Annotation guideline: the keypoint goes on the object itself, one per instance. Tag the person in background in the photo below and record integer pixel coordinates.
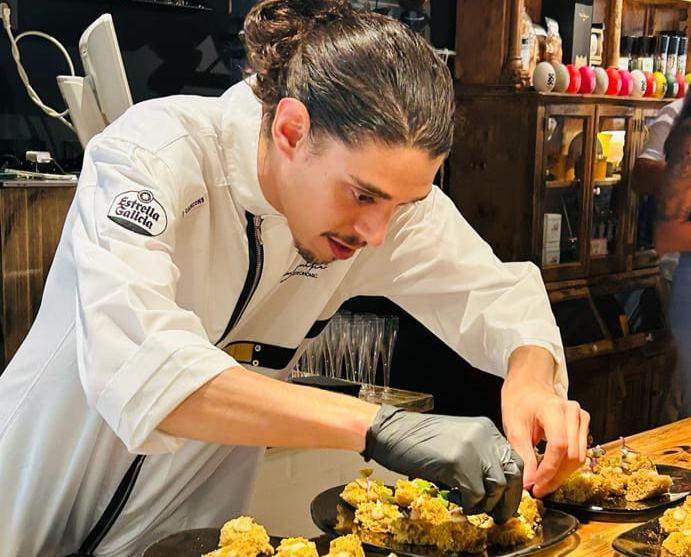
(207, 239)
(673, 234)
(647, 179)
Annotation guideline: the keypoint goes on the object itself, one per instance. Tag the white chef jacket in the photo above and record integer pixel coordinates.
(153, 262)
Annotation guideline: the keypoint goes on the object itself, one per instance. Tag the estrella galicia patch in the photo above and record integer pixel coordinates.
(139, 212)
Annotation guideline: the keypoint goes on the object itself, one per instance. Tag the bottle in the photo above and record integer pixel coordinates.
(646, 60)
(635, 54)
(660, 45)
(625, 47)
(681, 55)
(672, 54)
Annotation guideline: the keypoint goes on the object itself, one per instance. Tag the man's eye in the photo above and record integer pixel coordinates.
(363, 198)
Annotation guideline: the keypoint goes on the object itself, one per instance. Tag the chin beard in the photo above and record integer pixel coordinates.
(310, 257)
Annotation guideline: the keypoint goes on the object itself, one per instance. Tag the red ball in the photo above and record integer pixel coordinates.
(588, 80)
(683, 85)
(649, 84)
(614, 81)
(575, 79)
(626, 83)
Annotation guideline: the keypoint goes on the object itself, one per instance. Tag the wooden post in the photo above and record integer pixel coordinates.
(613, 31)
(513, 66)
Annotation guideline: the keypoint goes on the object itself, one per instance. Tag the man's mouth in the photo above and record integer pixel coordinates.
(340, 251)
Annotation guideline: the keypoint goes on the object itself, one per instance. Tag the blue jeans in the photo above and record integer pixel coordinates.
(680, 323)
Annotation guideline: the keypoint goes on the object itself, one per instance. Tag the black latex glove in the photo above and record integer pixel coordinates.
(464, 453)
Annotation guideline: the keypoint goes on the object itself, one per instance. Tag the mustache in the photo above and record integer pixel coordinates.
(352, 242)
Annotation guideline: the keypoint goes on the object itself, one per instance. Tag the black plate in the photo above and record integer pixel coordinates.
(556, 526)
(622, 510)
(641, 541)
(190, 543)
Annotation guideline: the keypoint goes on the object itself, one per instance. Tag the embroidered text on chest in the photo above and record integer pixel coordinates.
(309, 270)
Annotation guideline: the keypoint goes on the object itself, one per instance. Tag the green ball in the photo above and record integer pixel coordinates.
(672, 86)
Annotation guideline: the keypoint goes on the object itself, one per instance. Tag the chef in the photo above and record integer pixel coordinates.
(208, 241)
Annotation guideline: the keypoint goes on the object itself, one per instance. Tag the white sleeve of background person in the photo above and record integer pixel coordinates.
(436, 267)
(654, 147)
(139, 353)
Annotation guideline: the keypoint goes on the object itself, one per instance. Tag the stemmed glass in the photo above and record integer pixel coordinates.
(375, 326)
(334, 345)
(388, 342)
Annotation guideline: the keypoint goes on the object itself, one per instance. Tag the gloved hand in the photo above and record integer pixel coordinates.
(465, 453)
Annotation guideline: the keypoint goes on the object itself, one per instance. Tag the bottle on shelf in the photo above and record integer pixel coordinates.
(672, 50)
(625, 48)
(660, 46)
(681, 55)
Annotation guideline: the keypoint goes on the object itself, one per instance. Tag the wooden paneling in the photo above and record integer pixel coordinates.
(31, 220)
(482, 40)
(491, 182)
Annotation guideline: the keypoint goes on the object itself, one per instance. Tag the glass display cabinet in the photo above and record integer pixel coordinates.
(545, 177)
(644, 208)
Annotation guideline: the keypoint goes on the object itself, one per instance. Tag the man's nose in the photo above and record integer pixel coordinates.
(371, 226)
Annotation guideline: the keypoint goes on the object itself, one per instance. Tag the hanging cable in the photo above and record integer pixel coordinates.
(5, 14)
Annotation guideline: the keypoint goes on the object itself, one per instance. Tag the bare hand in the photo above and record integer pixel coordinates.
(531, 412)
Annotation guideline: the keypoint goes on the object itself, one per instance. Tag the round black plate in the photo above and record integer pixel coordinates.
(627, 511)
(641, 541)
(190, 543)
(556, 526)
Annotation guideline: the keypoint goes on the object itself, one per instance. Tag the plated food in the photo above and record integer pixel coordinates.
(676, 526)
(417, 512)
(624, 474)
(243, 537)
(666, 536)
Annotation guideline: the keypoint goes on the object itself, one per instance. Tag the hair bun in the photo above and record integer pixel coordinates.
(273, 31)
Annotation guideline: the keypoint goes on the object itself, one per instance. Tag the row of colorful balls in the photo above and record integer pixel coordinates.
(560, 78)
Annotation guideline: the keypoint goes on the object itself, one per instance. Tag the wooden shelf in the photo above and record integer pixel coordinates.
(560, 184)
(611, 181)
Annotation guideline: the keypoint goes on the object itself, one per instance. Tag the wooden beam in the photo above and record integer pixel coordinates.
(613, 32)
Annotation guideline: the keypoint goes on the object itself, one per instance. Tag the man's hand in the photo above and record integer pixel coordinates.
(465, 453)
(533, 411)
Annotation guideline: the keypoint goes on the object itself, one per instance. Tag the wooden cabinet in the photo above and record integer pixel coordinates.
(523, 159)
(546, 178)
(32, 216)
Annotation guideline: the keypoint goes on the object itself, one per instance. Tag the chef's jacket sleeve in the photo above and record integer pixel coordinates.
(139, 353)
(436, 267)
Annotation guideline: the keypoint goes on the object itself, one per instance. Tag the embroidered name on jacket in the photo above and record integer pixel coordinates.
(309, 270)
(139, 212)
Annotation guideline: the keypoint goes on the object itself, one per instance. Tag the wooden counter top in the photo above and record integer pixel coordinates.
(669, 444)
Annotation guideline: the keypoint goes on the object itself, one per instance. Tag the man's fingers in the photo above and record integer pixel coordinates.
(557, 447)
(503, 474)
(583, 430)
(511, 495)
(566, 447)
(521, 439)
(574, 417)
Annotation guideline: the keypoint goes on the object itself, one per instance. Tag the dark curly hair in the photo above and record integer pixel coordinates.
(361, 75)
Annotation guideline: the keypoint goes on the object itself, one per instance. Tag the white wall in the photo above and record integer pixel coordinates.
(289, 479)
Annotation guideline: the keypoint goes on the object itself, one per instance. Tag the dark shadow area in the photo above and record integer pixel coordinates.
(423, 363)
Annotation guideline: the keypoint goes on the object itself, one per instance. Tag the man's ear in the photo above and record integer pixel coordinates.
(291, 126)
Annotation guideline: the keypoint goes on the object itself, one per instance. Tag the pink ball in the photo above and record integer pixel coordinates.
(588, 80)
(614, 85)
(626, 83)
